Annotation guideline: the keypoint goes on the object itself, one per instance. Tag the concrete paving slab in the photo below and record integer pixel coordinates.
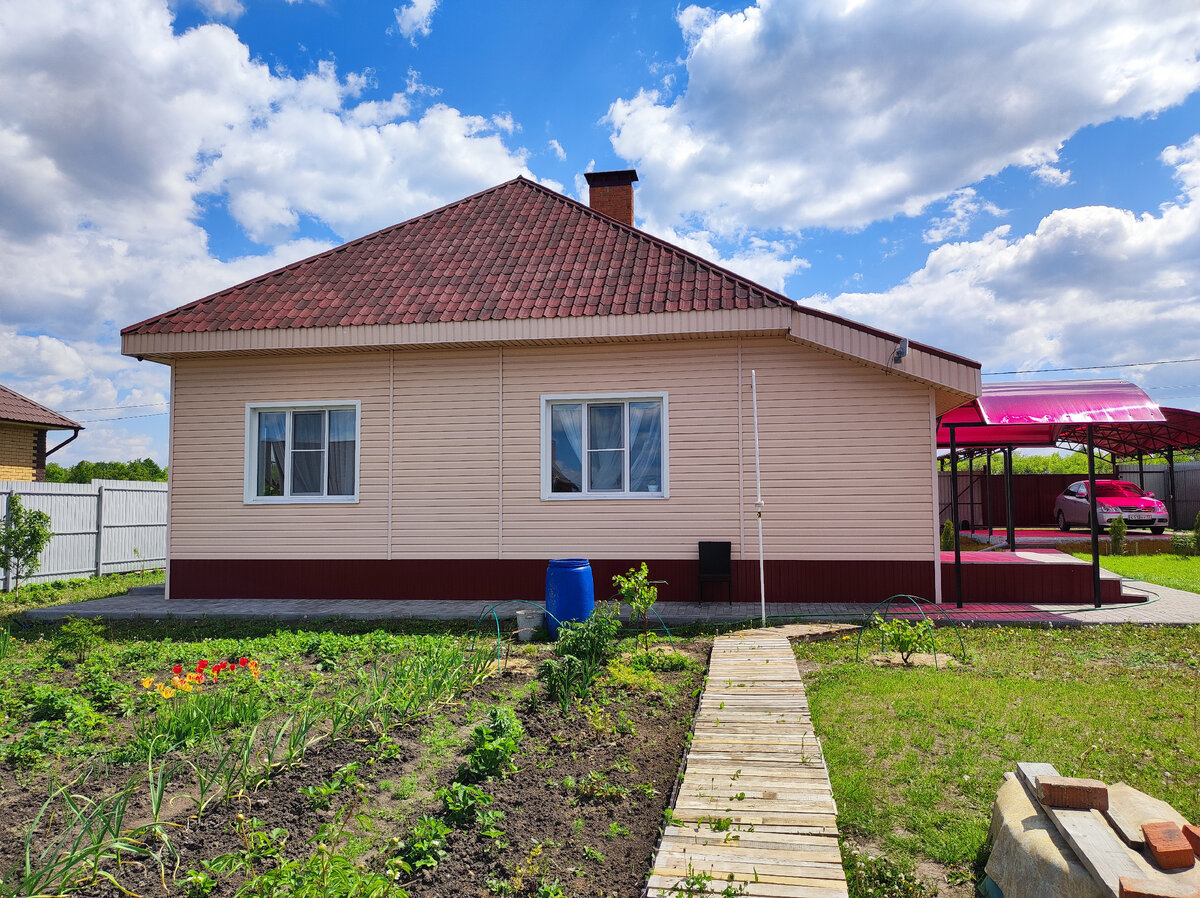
(1166, 606)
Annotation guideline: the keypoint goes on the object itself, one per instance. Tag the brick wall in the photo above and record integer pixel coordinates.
(21, 450)
(615, 202)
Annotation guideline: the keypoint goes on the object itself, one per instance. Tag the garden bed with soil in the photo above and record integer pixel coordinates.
(370, 764)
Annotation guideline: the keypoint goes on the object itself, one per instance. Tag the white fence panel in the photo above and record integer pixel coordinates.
(103, 527)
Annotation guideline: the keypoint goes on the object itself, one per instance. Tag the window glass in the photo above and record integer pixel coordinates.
(272, 432)
(606, 447)
(308, 456)
(341, 452)
(566, 448)
(645, 447)
(303, 452)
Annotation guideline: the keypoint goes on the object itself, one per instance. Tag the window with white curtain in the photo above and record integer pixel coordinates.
(597, 447)
(302, 452)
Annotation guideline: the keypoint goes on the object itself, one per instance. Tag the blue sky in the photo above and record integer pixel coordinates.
(1016, 185)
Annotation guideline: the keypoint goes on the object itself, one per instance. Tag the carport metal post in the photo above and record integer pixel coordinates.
(1091, 452)
(1171, 487)
(987, 494)
(1141, 470)
(1008, 503)
(954, 514)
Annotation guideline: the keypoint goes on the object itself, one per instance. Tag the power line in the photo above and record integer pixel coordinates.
(109, 408)
(124, 418)
(1090, 367)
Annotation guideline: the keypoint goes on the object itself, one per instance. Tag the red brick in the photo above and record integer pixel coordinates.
(1191, 832)
(1150, 888)
(1072, 792)
(1167, 844)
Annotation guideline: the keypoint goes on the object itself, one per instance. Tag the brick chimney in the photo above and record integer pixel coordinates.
(611, 193)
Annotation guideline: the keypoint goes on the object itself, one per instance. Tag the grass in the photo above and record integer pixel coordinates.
(79, 589)
(916, 755)
(1175, 571)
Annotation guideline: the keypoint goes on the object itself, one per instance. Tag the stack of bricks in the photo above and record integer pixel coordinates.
(1170, 847)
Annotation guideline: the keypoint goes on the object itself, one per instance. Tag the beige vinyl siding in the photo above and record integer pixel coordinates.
(209, 518)
(846, 451)
(841, 444)
(446, 475)
(957, 379)
(700, 380)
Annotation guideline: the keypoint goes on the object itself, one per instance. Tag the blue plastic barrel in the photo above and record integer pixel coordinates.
(570, 594)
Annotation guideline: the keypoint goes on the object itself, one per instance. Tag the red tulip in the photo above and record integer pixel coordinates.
(177, 669)
(201, 664)
(242, 662)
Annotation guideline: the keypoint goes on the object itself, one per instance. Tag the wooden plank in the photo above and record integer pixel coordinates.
(756, 763)
(1088, 834)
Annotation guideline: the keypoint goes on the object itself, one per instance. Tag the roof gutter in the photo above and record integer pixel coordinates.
(69, 439)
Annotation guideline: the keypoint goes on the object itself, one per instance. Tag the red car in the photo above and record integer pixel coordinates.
(1113, 498)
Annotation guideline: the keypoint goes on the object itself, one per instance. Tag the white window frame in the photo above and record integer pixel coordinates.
(548, 399)
(250, 481)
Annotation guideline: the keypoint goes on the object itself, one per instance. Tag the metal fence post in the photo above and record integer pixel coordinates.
(99, 531)
(7, 519)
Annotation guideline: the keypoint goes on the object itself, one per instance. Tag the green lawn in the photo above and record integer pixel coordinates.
(79, 589)
(916, 755)
(1177, 572)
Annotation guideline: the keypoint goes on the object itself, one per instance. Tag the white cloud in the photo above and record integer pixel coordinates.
(766, 262)
(223, 9)
(799, 113)
(1055, 177)
(1091, 285)
(557, 149)
(962, 207)
(117, 134)
(416, 18)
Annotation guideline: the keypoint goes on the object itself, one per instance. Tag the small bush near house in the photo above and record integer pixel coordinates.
(1116, 535)
(947, 536)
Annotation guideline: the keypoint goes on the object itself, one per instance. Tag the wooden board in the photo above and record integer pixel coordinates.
(1088, 834)
(756, 772)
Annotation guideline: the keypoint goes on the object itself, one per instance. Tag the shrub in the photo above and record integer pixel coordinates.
(636, 588)
(493, 745)
(22, 538)
(1116, 535)
(1196, 534)
(948, 536)
(463, 804)
(906, 637)
(592, 640)
(75, 639)
(1182, 544)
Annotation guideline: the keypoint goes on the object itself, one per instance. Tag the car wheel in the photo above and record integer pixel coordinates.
(1062, 522)
(1158, 531)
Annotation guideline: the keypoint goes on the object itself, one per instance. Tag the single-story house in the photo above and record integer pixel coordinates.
(23, 427)
(436, 409)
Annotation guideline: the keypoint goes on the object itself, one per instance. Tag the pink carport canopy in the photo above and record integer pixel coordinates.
(1037, 413)
(1180, 429)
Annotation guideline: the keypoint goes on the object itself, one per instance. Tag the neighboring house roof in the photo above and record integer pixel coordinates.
(18, 408)
(518, 263)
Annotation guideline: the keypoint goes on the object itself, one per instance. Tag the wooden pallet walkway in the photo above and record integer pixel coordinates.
(755, 808)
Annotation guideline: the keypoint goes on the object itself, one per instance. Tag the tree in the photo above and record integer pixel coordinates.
(639, 591)
(87, 471)
(24, 536)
